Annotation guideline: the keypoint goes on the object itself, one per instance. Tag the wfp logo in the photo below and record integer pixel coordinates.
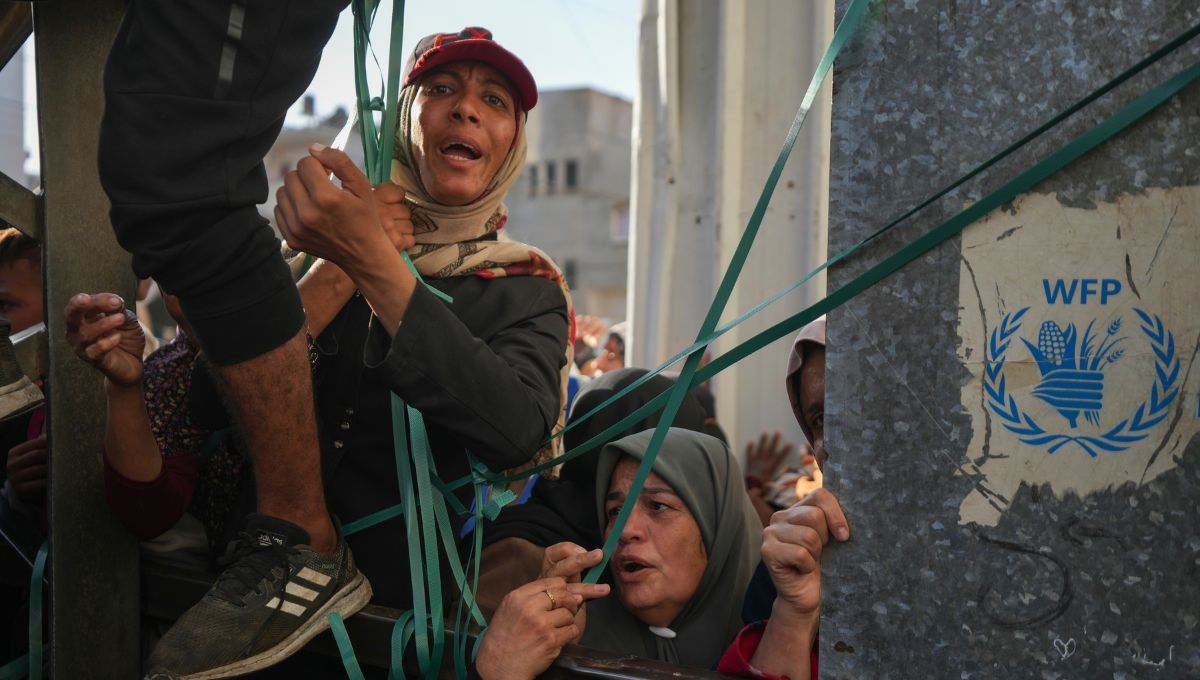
(1072, 367)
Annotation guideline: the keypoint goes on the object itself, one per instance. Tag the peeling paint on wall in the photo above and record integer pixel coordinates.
(1080, 329)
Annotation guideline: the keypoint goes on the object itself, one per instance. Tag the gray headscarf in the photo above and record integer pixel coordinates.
(706, 477)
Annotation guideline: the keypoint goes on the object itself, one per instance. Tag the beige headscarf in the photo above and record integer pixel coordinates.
(448, 237)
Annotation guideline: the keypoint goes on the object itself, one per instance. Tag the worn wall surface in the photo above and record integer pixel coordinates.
(1013, 417)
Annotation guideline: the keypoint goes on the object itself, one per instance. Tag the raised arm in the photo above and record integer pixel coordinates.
(792, 547)
(147, 495)
(107, 335)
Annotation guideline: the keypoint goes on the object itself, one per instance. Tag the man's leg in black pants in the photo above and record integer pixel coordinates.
(196, 93)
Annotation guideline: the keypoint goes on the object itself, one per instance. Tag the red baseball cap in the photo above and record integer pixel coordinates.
(471, 44)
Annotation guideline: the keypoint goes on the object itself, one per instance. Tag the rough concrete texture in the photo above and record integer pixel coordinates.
(1061, 584)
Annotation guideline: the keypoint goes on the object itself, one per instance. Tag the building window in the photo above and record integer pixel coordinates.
(571, 172)
(551, 177)
(533, 179)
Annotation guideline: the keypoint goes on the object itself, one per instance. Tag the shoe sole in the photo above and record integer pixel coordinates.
(352, 597)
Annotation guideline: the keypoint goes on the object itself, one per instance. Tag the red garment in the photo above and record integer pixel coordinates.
(149, 508)
(736, 660)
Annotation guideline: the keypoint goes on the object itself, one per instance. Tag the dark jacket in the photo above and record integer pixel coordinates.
(483, 372)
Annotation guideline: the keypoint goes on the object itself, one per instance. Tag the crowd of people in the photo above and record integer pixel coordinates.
(244, 443)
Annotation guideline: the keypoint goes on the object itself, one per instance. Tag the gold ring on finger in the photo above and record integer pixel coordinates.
(553, 602)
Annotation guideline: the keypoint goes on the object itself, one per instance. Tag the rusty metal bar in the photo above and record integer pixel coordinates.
(168, 592)
(94, 631)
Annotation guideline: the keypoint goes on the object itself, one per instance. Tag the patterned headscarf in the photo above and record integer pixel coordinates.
(449, 238)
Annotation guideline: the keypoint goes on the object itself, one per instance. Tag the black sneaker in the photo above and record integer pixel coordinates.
(273, 597)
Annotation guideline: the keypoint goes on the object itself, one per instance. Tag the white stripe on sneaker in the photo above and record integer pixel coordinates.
(298, 590)
(314, 577)
(292, 608)
(289, 607)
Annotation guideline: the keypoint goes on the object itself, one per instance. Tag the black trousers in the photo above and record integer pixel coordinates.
(195, 94)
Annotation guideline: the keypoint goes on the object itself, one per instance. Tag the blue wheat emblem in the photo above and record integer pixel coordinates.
(1072, 370)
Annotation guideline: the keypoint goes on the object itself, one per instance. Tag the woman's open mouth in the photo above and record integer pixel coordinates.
(632, 569)
(461, 151)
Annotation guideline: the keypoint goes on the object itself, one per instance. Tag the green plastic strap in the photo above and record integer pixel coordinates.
(35, 612)
(364, 17)
(419, 446)
(349, 661)
(372, 519)
(413, 530)
(493, 507)
(377, 142)
(448, 543)
(455, 504)
(460, 636)
(847, 27)
(402, 634)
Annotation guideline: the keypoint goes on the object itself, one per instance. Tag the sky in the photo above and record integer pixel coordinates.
(565, 43)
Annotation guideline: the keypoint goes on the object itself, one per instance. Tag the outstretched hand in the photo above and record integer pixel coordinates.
(531, 626)
(792, 546)
(106, 335)
(568, 561)
(766, 456)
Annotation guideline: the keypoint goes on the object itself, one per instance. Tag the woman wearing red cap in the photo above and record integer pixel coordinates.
(487, 371)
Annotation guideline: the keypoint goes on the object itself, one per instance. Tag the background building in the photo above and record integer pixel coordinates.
(293, 144)
(572, 200)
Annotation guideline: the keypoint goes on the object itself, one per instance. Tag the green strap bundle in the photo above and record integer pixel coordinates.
(429, 533)
(426, 512)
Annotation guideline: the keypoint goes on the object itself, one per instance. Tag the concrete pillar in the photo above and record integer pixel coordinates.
(1013, 418)
(719, 86)
(93, 559)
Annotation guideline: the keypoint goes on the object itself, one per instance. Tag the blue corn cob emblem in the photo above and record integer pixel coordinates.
(1073, 369)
